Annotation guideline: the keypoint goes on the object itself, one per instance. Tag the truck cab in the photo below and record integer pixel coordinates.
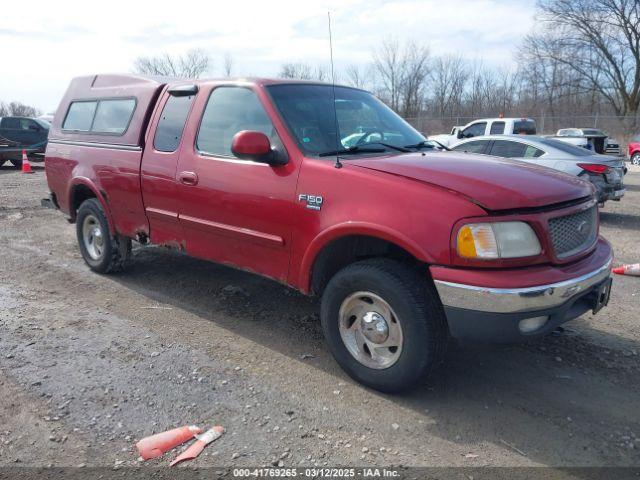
(330, 192)
(488, 126)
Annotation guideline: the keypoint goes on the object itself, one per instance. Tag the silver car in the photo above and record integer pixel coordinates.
(605, 172)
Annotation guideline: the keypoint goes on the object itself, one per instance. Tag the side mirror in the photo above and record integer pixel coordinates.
(460, 134)
(255, 146)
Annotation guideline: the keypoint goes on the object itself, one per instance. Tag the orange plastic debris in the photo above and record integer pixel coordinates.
(155, 445)
(201, 441)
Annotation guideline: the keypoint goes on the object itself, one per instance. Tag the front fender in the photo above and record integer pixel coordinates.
(355, 228)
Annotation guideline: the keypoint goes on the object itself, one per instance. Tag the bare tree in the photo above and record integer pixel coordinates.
(449, 76)
(303, 71)
(402, 71)
(193, 64)
(228, 64)
(356, 76)
(18, 109)
(389, 64)
(599, 42)
(413, 78)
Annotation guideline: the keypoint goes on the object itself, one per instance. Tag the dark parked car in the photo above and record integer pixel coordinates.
(22, 133)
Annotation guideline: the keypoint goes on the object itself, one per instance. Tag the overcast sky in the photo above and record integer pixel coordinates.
(46, 43)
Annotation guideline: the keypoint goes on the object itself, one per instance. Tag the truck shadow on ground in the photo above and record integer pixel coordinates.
(583, 395)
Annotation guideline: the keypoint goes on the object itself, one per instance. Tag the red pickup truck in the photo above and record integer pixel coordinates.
(335, 196)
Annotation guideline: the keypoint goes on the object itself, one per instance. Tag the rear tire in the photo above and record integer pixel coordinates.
(102, 250)
(635, 159)
(353, 304)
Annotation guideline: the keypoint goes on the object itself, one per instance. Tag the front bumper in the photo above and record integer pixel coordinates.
(495, 314)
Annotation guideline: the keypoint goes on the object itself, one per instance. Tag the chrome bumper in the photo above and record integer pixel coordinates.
(514, 300)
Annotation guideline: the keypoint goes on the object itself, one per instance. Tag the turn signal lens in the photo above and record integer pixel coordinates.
(477, 241)
(487, 241)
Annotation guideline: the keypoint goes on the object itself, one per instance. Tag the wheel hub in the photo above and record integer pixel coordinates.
(370, 330)
(93, 237)
(374, 327)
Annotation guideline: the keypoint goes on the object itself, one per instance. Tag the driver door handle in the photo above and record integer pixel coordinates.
(188, 178)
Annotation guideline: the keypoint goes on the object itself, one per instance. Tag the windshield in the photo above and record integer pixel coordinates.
(362, 120)
(566, 147)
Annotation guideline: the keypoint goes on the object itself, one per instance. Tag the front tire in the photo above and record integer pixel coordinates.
(384, 324)
(635, 159)
(102, 250)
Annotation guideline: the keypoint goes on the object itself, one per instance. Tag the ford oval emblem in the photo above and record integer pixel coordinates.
(582, 227)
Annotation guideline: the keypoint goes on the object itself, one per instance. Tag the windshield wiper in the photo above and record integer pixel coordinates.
(351, 150)
(427, 144)
(388, 145)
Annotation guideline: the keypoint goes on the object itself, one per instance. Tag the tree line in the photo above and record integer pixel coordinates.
(17, 109)
(582, 59)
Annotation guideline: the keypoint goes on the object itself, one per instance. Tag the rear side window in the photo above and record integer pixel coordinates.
(503, 148)
(497, 128)
(80, 116)
(110, 116)
(11, 123)
(171, 124)
(532, 152)
(477, 146)
(524, 127)
(230, 110)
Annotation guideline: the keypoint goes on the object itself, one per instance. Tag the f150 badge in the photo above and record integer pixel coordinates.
(314, 202)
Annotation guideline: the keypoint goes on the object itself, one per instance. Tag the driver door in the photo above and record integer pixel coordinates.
(235, 211)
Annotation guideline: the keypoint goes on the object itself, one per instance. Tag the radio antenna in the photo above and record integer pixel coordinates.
(338, 164)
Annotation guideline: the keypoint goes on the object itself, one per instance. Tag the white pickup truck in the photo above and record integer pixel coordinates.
(487, 126)
(592, 139)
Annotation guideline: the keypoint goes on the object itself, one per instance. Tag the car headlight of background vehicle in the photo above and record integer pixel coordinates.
(497, 240)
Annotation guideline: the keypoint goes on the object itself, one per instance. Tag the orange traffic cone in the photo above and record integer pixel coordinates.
(26, 166)
(201, 441)
(155, 445)
(632, 269)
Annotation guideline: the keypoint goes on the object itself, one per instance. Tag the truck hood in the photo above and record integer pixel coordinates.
(491, 182)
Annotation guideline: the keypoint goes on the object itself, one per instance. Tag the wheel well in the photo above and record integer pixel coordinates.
(350, 249)
(79, 195)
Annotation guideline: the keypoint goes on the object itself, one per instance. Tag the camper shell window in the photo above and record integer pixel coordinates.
(100, 116)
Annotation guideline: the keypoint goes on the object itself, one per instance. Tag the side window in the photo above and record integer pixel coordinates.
(11, 123)
(28, 124)
(100, 116)
(497, 128)
(171, 124)
(229, 111)
(112, 116)
(477, 146)
(475, 130)
(80, 116)
(532, 152)
(504, 148)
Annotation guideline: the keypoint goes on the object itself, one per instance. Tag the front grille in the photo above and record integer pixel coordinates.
(574, 233)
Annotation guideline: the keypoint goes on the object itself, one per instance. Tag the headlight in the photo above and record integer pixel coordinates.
(497, 240)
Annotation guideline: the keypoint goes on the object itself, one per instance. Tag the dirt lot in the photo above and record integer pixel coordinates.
(90, 363)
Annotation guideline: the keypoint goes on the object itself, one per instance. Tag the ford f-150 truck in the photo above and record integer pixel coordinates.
(406, 245)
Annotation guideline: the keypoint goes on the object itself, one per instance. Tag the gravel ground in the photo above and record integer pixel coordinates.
(89, 364)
